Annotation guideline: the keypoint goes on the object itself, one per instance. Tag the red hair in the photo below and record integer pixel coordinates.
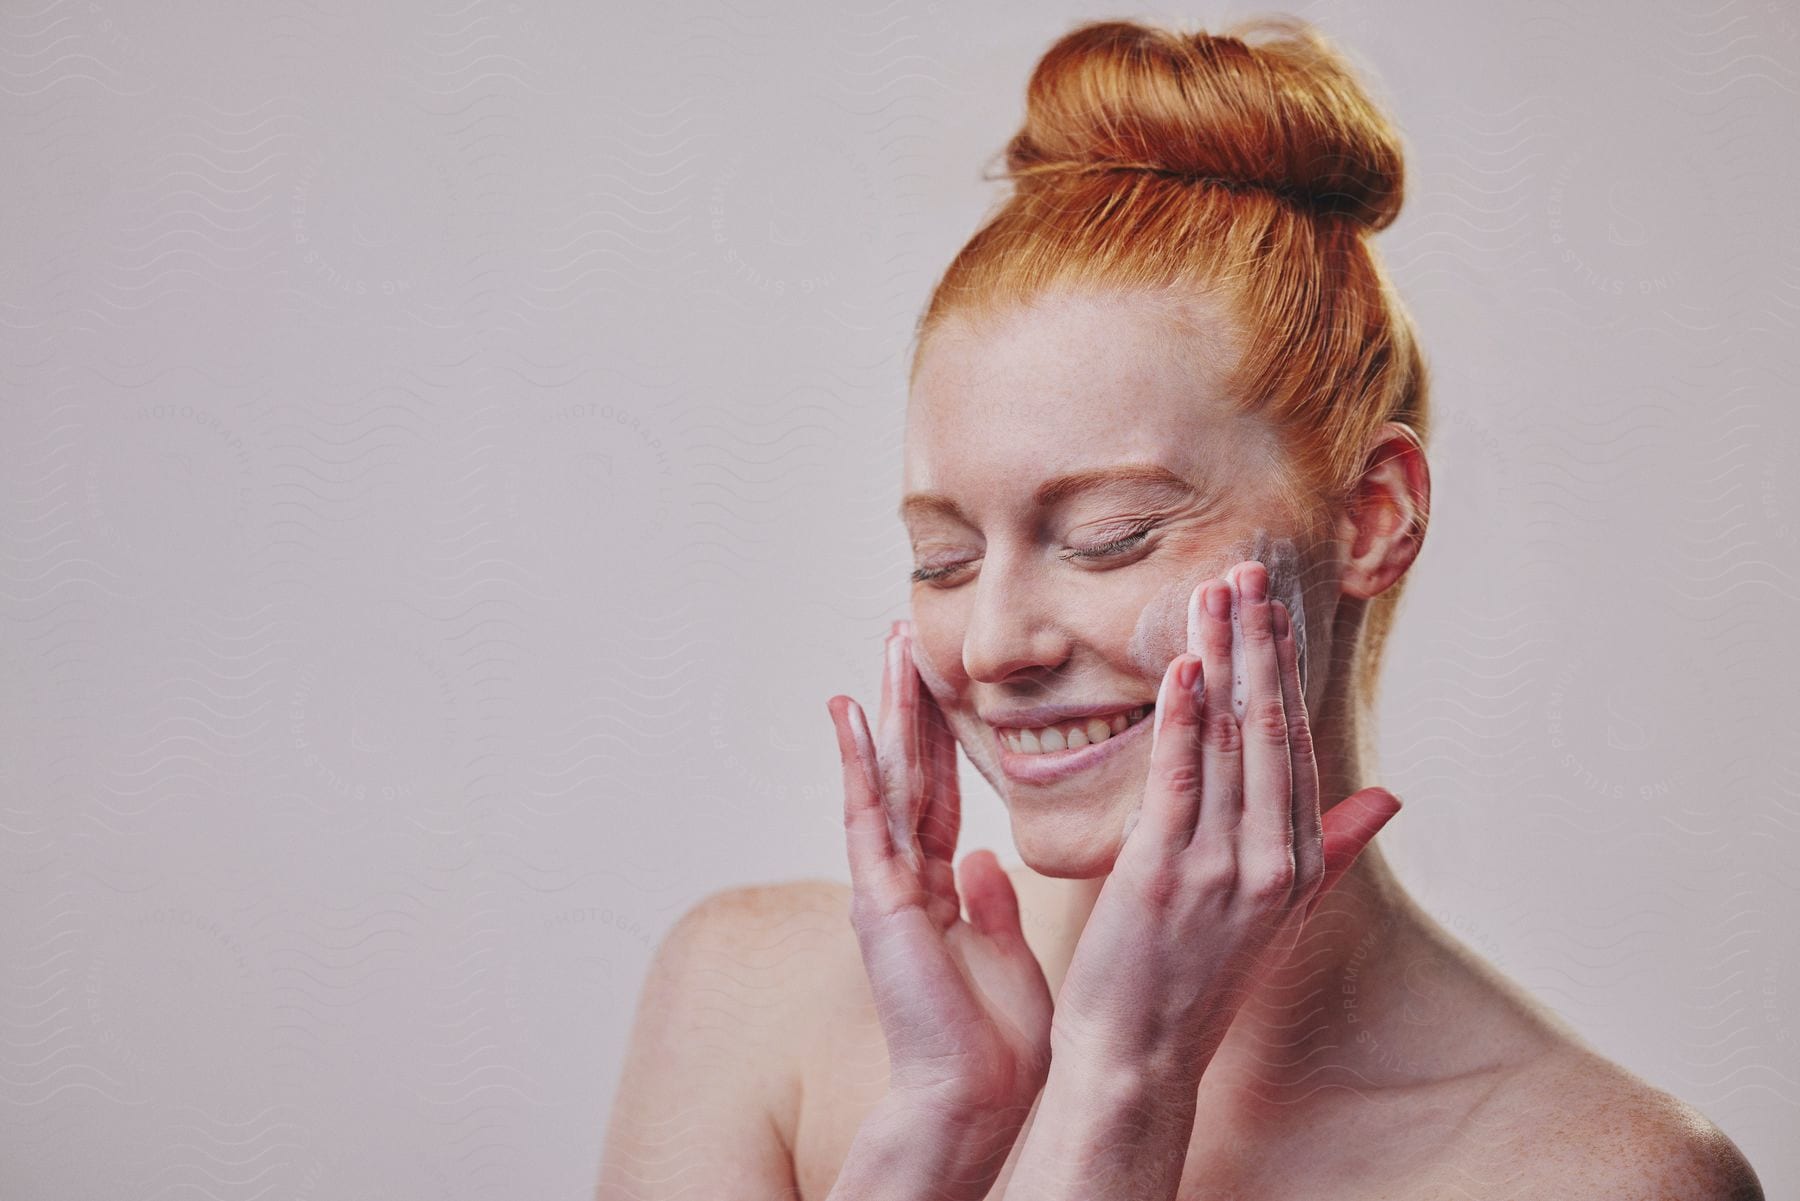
(1247, 167)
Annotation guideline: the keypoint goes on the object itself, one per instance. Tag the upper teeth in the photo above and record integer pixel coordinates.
(1071, 734)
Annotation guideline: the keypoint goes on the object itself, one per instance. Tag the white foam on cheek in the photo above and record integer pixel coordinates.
(928, 672)
(978, 748)
(1162, 631)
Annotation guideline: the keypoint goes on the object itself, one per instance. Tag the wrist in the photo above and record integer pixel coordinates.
(1146, 1065)
(920, 1147)
(1109, 1125)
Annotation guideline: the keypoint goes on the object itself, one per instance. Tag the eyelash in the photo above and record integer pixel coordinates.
(1107, 550)
(924, 575)
(1115, 547)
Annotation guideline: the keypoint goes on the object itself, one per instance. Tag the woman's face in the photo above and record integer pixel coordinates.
(1072, 471)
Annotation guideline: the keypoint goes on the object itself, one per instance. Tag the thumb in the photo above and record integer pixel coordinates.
(1349, 827)
(988, 892)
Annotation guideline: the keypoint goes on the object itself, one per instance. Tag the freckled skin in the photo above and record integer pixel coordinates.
(1069, 384)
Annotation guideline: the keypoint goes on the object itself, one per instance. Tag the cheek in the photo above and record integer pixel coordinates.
(1161, 631)
(935, 680)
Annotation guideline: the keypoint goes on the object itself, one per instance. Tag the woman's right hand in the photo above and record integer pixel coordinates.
(963, 1004)
(1226, 857)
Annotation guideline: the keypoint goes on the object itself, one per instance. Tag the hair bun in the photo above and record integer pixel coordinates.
(1271, 105)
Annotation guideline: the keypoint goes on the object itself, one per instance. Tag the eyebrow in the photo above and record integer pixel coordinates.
(1051, 491)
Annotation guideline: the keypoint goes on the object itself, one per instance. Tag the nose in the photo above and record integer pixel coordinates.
(1012, 626)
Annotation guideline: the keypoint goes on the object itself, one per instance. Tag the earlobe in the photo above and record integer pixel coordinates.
(1383, 526)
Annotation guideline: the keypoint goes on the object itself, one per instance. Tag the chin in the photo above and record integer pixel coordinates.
(1068, 845)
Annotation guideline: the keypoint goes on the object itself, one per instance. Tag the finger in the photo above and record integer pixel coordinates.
(932, 816)
(898, 744)
(1349, 827)
(1166, 816)
(993, 903)
(1309, 851)
(885, 703)
(1221, 741)
(941, 822)
(1266, 837)
(865, 823)
(994, 914)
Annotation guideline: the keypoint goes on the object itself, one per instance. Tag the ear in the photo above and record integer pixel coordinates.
(1383, 523)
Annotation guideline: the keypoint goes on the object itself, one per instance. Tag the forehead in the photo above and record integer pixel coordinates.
(1069, 382)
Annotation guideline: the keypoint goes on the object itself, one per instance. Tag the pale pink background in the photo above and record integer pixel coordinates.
(447, 459)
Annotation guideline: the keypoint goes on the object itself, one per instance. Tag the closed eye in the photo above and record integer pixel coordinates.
(1117, 546)
(1106, 550)
(922, 575)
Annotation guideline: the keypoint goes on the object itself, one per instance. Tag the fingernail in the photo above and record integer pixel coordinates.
(1279, 612)
(1218, 601)
(1162, 706)
(1188, 674)
(1253, 584)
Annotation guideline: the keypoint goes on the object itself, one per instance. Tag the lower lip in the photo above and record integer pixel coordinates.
(1047, 767)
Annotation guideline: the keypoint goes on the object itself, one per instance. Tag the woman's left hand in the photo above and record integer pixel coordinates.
(1225, 858)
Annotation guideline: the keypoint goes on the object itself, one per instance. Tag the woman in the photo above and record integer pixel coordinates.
(1164, 478)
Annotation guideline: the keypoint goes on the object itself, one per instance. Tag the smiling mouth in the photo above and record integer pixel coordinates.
(1071, 735)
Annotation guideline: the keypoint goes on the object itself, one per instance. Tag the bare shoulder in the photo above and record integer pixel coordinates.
(718, 1043)
(764, 946)
(1584, 1127)
(775, 953)
(748, 909)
